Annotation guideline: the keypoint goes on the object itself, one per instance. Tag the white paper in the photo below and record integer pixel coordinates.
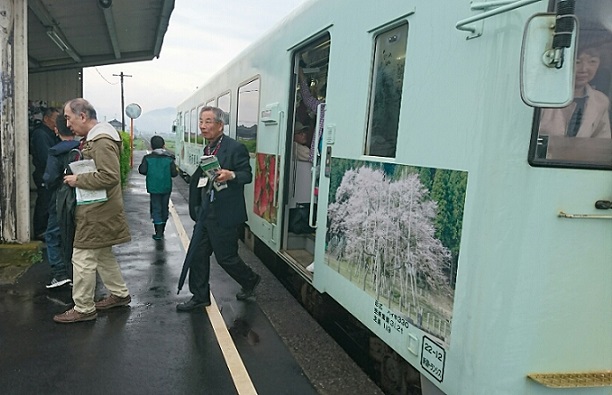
(87, 196)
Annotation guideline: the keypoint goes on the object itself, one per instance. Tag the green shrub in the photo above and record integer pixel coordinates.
(126, 154)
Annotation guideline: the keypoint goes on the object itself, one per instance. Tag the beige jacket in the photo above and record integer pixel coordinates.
(595, 121)
(102, 224)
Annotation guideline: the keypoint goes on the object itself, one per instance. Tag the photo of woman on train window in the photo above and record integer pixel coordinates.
(580, 133)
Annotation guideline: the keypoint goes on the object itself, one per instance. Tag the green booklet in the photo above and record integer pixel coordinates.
(209, 165)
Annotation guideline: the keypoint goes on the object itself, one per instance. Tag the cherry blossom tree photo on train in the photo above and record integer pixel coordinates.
(265, 188)
(383, 227)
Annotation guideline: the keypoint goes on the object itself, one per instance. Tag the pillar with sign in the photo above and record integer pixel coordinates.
(133, 111)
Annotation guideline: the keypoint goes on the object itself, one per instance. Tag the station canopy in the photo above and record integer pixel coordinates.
(67, 34)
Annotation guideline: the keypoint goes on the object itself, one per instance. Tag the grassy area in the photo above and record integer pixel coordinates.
(139, 144)
(15, 259)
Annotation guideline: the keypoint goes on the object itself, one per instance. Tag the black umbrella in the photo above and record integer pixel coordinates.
(196, 247)
(183, 275)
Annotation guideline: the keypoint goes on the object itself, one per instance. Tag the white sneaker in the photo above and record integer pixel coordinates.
(310, 267)
(58, 283)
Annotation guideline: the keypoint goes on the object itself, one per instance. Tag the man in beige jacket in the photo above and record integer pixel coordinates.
(99, 225)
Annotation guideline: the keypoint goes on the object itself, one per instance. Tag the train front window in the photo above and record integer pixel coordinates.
(386, 92)
(579, 135)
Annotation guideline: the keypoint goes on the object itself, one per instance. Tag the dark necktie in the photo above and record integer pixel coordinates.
(574, 124)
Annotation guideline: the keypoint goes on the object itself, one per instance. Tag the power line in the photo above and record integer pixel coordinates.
(104, 78)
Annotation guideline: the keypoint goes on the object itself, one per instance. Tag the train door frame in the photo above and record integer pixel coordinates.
(299, 190)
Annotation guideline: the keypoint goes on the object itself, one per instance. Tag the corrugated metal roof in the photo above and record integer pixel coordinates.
(65, 34)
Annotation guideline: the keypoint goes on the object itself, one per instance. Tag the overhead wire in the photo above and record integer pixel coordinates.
(104, 78)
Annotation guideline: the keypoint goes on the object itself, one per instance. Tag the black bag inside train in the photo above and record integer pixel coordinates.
(298, 219)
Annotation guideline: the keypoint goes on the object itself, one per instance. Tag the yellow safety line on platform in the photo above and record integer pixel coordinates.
(242, 380)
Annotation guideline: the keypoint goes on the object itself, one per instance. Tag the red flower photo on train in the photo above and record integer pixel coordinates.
(265, 188)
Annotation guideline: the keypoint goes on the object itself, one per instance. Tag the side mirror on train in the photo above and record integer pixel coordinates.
(547, 67)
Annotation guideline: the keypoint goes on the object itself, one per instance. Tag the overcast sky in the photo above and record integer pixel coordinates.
(200, 40)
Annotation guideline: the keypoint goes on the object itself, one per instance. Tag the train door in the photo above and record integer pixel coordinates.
(303, 163)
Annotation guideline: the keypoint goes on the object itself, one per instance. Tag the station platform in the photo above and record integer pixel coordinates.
(266, 345)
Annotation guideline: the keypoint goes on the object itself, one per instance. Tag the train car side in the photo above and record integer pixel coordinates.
(424, 208)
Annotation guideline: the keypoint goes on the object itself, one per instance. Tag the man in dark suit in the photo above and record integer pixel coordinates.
(218, 212)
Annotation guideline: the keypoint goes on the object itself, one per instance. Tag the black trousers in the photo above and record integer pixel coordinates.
(208, 237)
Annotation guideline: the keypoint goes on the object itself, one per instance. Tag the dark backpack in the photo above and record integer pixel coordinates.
(298, 219)
(66, 204)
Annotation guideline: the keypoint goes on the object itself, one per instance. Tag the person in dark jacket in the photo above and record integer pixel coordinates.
(42, 138)
(159, 167)
(57, 161)
(218, 211)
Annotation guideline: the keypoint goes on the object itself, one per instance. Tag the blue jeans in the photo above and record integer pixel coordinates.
(159, 207)
(55, 253)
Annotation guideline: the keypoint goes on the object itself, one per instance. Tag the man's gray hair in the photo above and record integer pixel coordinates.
(80, 105)
(219, 113)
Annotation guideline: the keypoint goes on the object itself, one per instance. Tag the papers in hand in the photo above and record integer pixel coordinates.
(87, 196)
(209, 165)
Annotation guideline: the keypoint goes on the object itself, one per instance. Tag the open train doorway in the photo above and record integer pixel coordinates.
(303, 162)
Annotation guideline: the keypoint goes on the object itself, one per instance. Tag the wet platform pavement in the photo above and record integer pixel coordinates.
(149, 347)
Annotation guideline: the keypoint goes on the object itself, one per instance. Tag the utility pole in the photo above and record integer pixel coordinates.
(122, 102)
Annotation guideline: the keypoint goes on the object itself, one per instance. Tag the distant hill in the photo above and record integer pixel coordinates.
(155, 121)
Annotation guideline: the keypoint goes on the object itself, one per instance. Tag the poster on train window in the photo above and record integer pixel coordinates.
(266, 187)
(394, 231)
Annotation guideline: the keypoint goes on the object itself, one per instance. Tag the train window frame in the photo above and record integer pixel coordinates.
(554, 149)
(212, 102)
(395, 32)
(193, 125)
(199, 139)
(177, 124)
(251, 148)
(186, 126)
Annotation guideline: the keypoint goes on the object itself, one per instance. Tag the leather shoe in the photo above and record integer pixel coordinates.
(191, 305)
(246, 293)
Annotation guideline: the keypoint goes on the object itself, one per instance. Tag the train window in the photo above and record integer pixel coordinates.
(223, 102)
(178, 124)
(186, 127)
(193, 126)
(579, 135)
(210, 103)
(386, 91)
(248, 112)
(199, 138)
